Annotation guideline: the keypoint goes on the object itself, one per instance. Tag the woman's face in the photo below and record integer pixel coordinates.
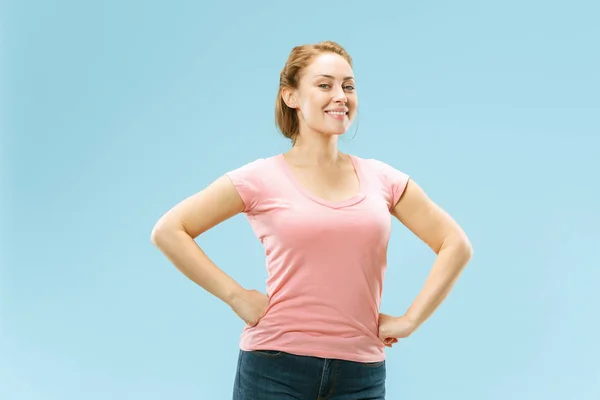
(325, 99)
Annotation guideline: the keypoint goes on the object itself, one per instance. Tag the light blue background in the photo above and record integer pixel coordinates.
(114, 111)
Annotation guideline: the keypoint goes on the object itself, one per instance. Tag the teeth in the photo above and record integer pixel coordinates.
(336, 112)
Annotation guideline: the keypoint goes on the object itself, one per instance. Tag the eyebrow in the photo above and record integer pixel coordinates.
(333, 77)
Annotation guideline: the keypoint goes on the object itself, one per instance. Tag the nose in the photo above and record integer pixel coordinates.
(340, 95)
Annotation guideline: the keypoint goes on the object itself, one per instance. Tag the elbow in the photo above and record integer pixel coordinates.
(468, 251)
(159, 232)
(460, 245)
(156, 235)
(466, 248)
(164, 230)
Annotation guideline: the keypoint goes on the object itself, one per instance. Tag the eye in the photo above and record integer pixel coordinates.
(349, 88)
(323, 85)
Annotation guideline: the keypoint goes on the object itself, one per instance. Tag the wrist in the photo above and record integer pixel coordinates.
(413, 319)
(232, 294)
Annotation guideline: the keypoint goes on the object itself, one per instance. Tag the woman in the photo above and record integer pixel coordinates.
(323, 218)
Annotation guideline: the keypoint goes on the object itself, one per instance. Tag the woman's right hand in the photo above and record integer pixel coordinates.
(250, 305)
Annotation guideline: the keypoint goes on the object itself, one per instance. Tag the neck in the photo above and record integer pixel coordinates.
(315, 149)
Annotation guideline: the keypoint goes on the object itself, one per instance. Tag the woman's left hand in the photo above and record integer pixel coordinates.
(393, 328)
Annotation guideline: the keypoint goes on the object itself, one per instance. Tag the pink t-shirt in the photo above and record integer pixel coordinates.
(326, 260)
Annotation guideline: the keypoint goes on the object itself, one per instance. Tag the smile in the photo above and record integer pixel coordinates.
(337, 114)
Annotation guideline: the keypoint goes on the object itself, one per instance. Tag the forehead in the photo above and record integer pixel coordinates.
(329, 64)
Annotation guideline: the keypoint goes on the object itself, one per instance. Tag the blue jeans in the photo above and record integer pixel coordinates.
(275, 375)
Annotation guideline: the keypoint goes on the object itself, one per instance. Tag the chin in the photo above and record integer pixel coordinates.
(336, 130)
(333, 132)
(329, 129)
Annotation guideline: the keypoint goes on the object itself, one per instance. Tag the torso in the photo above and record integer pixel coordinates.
(325, 233)
(331, 183)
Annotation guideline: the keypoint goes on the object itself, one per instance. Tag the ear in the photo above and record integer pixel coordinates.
(287, 94)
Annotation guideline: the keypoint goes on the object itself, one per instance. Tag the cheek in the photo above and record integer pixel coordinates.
(353, 101)
(312, 108)
(353, 104)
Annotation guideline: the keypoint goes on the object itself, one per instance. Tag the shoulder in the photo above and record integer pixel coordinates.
(256, 169)
(392, 180)
(257, 164)
(251, 180)
(380, 168)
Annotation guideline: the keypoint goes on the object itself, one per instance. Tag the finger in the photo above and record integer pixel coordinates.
(390, 340)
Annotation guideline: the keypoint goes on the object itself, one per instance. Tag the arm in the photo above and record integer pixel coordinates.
(174, 235)
(443, 235)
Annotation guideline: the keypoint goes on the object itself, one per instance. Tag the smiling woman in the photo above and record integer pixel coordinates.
(324, 218)
(310, 77)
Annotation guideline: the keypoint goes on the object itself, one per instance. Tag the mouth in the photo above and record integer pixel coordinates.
(337, 114)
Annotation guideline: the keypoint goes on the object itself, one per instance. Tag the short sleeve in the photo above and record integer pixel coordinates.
(247, 180)
(395, 181)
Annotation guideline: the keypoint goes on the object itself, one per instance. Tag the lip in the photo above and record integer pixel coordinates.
(338, 110)
(339, 117)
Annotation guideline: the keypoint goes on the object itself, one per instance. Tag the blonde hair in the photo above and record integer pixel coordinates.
(300, 57)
